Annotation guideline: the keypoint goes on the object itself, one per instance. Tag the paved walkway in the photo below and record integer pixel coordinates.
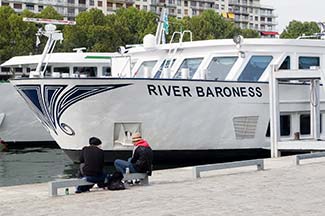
(281, 189)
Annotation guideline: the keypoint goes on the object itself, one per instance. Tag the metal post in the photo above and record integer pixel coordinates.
(314, 109)
(274, 112)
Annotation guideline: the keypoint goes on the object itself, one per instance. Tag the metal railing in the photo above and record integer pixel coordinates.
(210, 167)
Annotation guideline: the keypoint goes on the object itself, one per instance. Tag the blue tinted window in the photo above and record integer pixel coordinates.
(255, 68)
(285, 64)
(192, 64)
(307, 62)
(165, 64)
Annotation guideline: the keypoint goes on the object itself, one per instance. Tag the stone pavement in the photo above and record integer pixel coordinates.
(281, 189)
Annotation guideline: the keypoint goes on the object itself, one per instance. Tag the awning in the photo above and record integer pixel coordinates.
(269, 33)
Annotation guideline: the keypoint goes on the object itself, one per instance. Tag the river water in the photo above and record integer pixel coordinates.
(40, 164)
(34, 165)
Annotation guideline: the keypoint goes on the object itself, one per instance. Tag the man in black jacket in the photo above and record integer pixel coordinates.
(92, 164)
(141, 160)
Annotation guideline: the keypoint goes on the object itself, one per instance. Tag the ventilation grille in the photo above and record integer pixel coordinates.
(245, 127)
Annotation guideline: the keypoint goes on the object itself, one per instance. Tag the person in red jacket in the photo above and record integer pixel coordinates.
(141, 159)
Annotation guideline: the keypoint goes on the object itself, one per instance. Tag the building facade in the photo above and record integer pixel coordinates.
(247, 14)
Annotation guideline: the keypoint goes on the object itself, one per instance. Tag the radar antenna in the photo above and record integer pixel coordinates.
(53, 36)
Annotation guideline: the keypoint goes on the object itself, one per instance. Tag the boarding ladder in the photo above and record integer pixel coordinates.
(313, 75)
(173, 48)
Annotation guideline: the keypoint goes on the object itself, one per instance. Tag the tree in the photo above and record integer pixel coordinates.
(91, 31)
(297, 28)
(210, 25)
(133, 24)
(99, 33)
(249, 33)
(16, 37)
(50, 13)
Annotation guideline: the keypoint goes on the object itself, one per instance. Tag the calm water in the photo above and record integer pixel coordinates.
(34, 165)
(37, 165)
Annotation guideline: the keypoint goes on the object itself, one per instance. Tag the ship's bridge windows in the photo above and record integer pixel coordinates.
(306, 62)
(107, 71)
(85, 71)
(285, 126)
(164, 64)
(146, 65)
(219, 67)
(285, 64)
(61, 71)
(192, 64)
(255, 68)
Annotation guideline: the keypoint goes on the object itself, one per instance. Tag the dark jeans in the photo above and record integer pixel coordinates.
(99, 180)
(121, 165)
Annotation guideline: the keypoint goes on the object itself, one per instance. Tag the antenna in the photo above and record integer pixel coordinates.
(49, 21)
(53, 36)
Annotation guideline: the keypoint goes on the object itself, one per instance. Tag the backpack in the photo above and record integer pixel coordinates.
(115, 181)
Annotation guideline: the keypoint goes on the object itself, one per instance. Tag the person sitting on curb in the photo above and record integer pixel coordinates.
(141, 160)
(92, 164)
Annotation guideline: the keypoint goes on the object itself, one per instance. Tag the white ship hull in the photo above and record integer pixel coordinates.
(173, 115)
(17, 122)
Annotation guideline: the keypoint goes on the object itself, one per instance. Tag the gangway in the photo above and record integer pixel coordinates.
(313, 76)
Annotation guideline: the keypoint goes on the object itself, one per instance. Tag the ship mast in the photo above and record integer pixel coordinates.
(53, 36)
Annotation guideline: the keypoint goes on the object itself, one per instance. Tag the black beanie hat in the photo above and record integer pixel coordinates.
(94, 141)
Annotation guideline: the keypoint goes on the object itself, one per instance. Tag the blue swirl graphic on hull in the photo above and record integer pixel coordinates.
(50, 102)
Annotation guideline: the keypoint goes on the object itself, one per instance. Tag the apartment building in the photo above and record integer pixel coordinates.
(247, 14)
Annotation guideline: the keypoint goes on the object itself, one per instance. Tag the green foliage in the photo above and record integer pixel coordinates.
(92, 31)
(16, 37)
(249, 33)
(297, 28)
(210, 25)
(99, 33)
(50, 13)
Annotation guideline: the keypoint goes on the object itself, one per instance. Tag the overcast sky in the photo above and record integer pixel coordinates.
(301, 10)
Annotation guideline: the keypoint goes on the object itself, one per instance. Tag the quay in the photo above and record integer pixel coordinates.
(282, 188)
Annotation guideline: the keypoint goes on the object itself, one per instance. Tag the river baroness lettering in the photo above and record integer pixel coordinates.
(199, 91)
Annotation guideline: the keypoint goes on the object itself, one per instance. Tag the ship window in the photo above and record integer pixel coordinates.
(304, 124)
(285, 64)
(255, 68)
(61, 69)
(107, 71)
(165, 64)
(285, 125)
(219, 67)
(308, 62)
(145, 64)
(85, 71)
(192, 64)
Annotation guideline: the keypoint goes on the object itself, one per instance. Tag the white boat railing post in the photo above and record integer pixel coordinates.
(274, 112)
(315, 109)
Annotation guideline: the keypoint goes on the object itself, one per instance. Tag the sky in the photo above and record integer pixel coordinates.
(301, 10)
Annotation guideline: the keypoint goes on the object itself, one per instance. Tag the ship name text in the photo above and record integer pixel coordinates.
(207, 91)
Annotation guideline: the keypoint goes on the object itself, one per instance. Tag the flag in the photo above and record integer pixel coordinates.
(166, 25)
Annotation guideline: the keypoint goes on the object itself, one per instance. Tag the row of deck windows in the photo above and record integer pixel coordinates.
(285, 125)
(219, 67)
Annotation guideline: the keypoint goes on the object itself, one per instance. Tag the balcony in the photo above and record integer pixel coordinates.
(245, 12)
